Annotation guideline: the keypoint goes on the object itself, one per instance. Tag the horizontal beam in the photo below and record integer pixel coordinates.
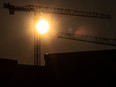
(52, 10)
(87, 38)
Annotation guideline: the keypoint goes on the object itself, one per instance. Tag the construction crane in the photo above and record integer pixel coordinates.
(36, 9)
(88, 38)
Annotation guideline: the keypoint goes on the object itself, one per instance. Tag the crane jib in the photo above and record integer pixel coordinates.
(87, 38)
(62, 11)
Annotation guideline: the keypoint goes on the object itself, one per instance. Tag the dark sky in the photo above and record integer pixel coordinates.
(16, 31)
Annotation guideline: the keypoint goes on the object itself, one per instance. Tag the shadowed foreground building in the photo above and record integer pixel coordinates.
(89, 68)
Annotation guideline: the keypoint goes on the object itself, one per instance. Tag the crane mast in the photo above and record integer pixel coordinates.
(87, 38)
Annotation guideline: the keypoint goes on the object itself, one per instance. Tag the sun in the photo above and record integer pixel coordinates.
(42, 26)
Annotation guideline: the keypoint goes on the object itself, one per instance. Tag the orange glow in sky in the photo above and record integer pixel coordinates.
(42, 26)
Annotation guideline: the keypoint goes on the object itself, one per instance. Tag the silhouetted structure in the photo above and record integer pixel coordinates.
(17, 75)
(91, 68)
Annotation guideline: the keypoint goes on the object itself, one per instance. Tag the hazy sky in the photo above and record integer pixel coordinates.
(16, 31)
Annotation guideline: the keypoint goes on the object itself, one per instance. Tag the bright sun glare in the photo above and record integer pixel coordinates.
(42, 26)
